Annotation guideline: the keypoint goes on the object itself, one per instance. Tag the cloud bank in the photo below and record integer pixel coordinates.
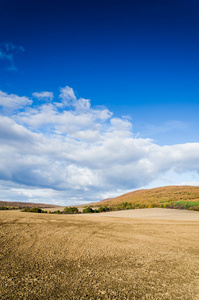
(65, 151)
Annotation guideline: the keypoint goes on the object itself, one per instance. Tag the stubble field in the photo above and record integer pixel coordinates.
(97, 257)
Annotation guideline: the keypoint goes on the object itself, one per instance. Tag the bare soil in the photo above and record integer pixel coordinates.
(47, 256)
(156, 213)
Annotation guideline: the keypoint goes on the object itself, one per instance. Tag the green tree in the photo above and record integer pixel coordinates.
(70, 210)
(103, 208)
(88, 210)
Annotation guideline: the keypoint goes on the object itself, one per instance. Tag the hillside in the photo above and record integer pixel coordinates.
(186, 197)
(25, 204)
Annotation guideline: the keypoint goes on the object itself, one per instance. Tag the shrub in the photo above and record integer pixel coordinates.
(193, 205)
(87, 210)
(36, 210)
(26, 209)
(103, 208)
(7, 207)
(129, 206)
(3, 208)
(70, 210)
(33, 209)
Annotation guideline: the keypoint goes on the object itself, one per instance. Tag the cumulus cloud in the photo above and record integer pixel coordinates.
(68, 98)
(70, 152)
(67, 94)
(13, 102)
(46, 96)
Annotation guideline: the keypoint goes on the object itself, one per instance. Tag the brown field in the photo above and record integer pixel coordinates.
(98, 256)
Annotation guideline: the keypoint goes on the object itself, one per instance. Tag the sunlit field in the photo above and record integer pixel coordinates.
(49, 256)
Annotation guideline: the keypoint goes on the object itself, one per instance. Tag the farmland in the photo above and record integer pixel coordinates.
(49, 256)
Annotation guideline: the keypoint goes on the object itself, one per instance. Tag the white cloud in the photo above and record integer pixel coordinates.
(44, 95)
(68, 98)
(67, 93)
(12, 101)
(77, 153)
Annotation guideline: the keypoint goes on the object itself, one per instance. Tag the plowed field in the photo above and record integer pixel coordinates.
(47, 256)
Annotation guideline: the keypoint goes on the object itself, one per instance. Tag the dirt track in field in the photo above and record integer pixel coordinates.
(86, 257)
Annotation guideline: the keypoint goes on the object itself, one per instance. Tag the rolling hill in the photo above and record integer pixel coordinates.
(26, 204)
(184, 197)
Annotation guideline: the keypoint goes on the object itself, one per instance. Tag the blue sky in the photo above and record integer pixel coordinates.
(137, 63)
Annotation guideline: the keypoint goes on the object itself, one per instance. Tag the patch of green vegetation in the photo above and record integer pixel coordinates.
(87, 210)
(67, 210)
(34, 210)
(190, 205)
(70, 210)
(193, 205)
(4, 208)
(7, 208)
(103, 208)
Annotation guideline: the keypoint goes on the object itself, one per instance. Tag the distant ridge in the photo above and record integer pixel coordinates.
(25, 204)
(158, 195)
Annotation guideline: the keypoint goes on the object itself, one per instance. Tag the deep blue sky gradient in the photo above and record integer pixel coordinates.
(138, 58)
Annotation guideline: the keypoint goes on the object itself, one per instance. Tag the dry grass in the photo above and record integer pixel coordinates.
(86, 257)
